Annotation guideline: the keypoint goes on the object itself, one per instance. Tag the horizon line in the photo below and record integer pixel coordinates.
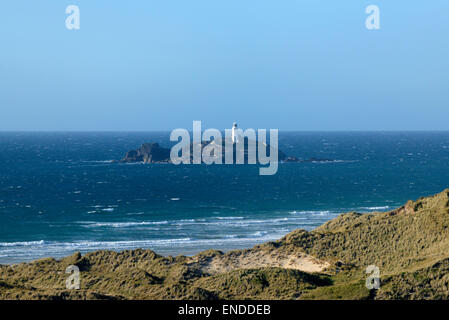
(168, 130)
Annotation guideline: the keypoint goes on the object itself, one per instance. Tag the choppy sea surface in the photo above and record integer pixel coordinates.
(60, 192)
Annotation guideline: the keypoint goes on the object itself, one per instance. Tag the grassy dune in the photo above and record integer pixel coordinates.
(410, 245)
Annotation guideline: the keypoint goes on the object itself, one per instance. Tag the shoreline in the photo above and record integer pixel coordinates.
(190, 248)
(168, 253)
(184, 251)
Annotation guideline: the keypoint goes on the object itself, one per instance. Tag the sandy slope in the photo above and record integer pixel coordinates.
(249, 259)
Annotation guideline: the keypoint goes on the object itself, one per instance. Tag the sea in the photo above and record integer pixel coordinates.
(61, 192)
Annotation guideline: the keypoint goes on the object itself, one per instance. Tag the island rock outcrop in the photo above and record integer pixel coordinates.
(154, 153)
(147, 153)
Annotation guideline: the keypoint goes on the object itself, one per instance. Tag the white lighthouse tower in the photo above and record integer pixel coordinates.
(235, 137)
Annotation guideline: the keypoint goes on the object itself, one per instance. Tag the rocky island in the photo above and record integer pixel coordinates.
(409, 245)
(147, 153)
(153, 153)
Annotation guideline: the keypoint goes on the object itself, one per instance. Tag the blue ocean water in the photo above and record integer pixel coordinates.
(60, 193)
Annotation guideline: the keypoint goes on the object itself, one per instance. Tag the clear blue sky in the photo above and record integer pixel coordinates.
(158, 65)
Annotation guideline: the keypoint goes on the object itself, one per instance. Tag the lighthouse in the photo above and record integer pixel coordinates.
(234, 133)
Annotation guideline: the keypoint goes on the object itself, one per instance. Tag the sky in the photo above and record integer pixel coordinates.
(147, 65)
